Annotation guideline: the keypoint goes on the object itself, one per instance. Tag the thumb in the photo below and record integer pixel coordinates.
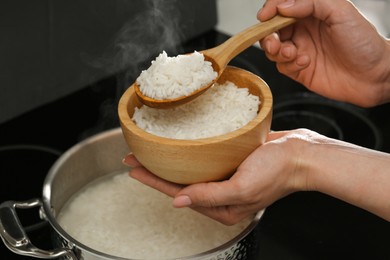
(304, 8)
(211, 194)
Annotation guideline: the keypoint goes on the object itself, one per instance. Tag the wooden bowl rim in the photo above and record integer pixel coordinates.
(266, 109)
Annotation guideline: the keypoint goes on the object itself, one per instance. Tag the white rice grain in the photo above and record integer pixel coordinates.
(221, 109)
(119, 216)
(173, 77)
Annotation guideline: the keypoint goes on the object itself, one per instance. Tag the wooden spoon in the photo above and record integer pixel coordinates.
(220, 56)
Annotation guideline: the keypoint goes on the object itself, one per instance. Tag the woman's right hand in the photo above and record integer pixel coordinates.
(332, 50)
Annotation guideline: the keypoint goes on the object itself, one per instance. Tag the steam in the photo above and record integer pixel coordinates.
(140, 40)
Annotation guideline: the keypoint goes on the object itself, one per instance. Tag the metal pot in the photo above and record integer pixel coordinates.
(95, 157)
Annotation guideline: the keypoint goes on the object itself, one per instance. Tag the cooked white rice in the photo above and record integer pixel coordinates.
(173, 77)
(221, 109)
(119, 216)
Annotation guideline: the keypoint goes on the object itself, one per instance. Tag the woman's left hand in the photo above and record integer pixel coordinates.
(259, 181)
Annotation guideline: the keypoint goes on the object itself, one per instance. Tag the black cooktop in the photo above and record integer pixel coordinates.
(305, 225)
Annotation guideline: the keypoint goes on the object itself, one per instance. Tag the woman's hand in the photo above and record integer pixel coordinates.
(332, 50)
(269, 173)
(289, 161)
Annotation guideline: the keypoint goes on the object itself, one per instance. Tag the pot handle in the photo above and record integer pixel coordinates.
(16, 239)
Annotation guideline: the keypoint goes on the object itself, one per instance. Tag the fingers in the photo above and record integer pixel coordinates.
(212, 194)
(300, 8)
(228, 215)
(225, 201)
(215, 194)
(218, 201)
(268, 10)
(285, 54)
(279, 51)
(130, 160)
(290, 8)
(293, 68)
(146, 177)
(225, 214)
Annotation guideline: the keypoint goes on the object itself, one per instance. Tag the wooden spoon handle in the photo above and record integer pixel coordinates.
(226, 51)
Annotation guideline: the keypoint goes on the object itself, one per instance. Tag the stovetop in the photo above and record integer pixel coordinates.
(304, 225)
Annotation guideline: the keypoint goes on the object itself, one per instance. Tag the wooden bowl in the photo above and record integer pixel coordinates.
(202, 160)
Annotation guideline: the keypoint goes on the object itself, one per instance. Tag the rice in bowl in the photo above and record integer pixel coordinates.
(222, 109)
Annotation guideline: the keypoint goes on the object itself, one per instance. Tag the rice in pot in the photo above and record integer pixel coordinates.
(173, 77)
(119, 216)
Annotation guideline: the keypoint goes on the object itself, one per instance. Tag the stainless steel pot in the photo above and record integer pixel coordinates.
(97, 156)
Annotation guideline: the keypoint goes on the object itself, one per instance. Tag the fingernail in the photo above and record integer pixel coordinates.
(286, 4)
(124, 160)
(182, 201)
